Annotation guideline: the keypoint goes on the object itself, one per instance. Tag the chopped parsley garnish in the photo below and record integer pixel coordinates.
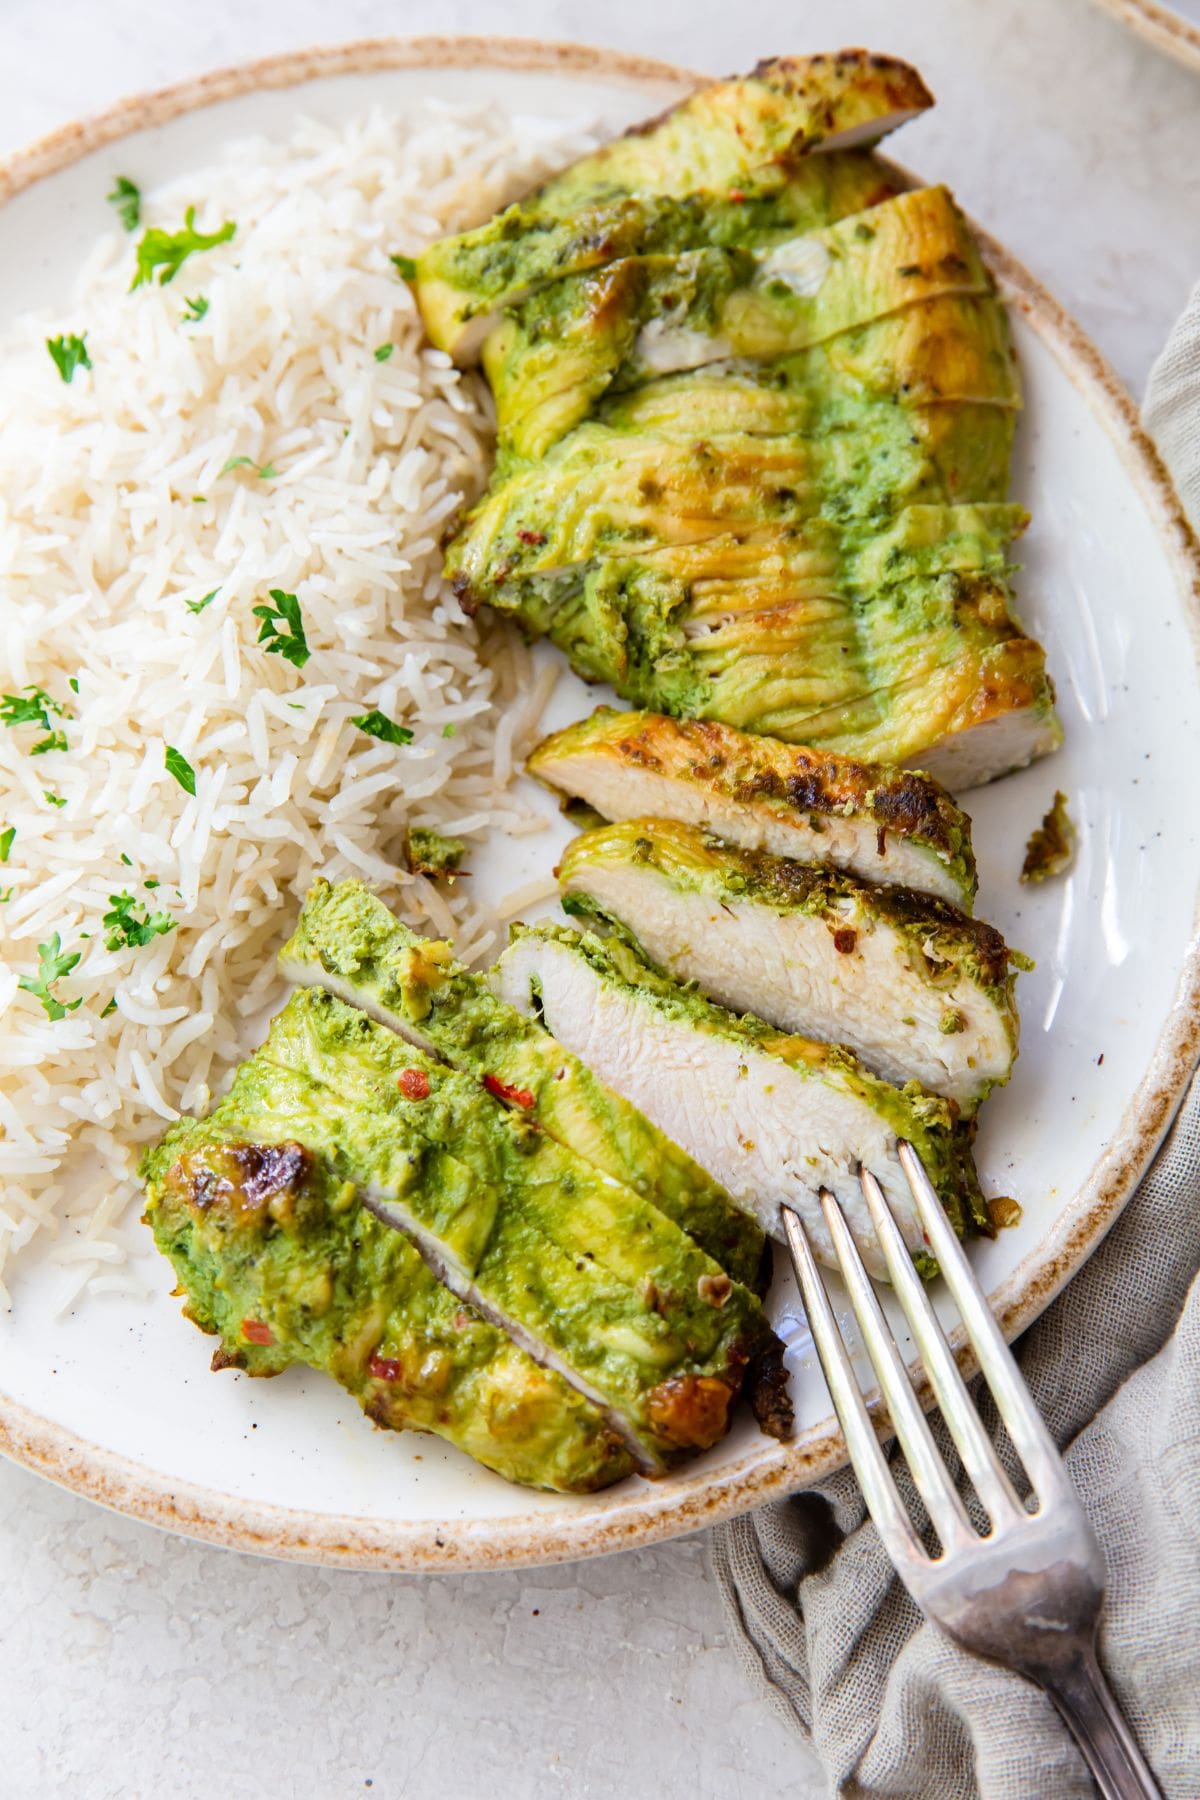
(177, 764)
(405, 266)
(198, 606)
(6, 895)
(378, 725)
(54, 799)
(128, 861)
(383, 352)
(291, 642)
(195, 308)
(52, 966)
(73, 684)
(450, 729)
(69, 353)
(167, 251)
(56, 741)
(6, 841)
(267, 471)
(110, 1008)
(126, 197)
(127, 930)
(151, 881)
(17, 709)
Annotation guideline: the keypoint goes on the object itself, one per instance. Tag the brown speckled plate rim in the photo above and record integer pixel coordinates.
(637, 1513)
(1161, 26)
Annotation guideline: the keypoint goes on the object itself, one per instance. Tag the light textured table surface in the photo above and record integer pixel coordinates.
(132, 1664)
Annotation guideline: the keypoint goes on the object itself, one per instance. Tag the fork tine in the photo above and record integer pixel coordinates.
(957, 1408)
(1032, 1440)
(942, 1503)
(870, 1464)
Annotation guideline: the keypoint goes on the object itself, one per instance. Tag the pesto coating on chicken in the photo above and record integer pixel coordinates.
(277, 1257)
(347, 941)
(592, 1279)
(734, 159)
(554, 355)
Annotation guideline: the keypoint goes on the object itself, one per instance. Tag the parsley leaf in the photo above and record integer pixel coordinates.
(73, 685)
(69, 353)
(7, 895)
(405, 266)
(176, 764)
(378, 725)
(167, 251)
(110, 1008)
(54, 799)
(198, 606)
(383, 352)
(128, 931)
(6, 841)
(450, 729)
(126, 197)
(52, 966)
(56, 741)
(15, 709)
(267, 471)
(128, 861)
(291, 643)
(195, 309)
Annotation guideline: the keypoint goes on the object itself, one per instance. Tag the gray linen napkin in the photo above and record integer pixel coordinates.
(819, 1620)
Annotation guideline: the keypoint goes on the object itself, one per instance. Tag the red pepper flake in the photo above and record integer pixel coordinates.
(737, 196)
(515, 1096)
(384, 1368)
(413, 1084)
(532, 537)
(845, 940)
(255, 1332)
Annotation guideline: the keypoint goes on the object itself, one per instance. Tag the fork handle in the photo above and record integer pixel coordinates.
(1085, 1700)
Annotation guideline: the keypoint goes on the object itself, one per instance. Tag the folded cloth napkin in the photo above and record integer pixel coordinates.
(818, 1617)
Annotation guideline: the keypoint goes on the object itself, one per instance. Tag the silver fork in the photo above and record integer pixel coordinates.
(1027, 1595)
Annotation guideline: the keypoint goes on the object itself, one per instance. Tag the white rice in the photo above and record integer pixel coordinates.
(114, 512)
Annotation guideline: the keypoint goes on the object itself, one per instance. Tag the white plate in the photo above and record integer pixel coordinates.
(117, 1402)
(1174, 29)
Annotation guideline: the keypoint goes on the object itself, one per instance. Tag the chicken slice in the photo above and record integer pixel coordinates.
(347, 942)
(553, 356)
(463, 284)
(915, 987)
(589, 1278)
(774, 1117)
(870, 820)
(276, 1256)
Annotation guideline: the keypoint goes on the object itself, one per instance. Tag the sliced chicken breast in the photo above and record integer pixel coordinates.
(773, 1117)
(592, 1281)
(347, 942)
(915, 987)
(879, 823)
(605, 331)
